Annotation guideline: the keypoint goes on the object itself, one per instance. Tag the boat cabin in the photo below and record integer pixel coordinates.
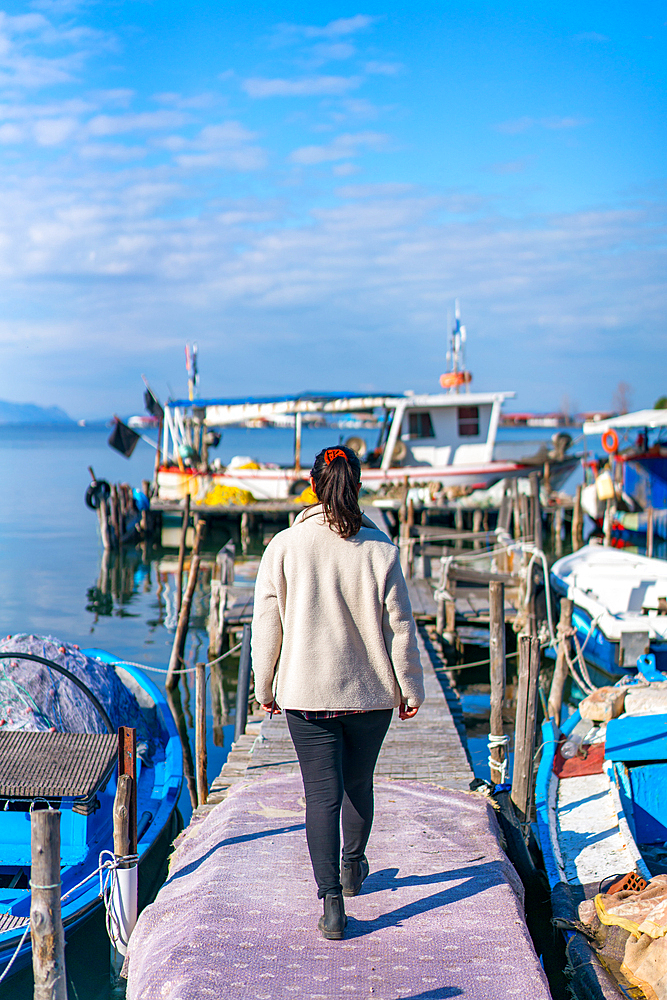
(414, 430)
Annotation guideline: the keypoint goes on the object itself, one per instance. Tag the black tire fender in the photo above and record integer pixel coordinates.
(98, 490)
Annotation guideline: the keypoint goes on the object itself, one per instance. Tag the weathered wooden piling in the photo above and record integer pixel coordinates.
(524, 732)
(536, 509)
(181, 552)
(46, 927)
(557, 530)
(176, 659)
(201, 756)
(562, 666)
(121, 816)
(577, 521)
(497, 666)
(243, 685)
(176, 709)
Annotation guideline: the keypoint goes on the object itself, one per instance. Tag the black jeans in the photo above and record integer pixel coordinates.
(337, 758)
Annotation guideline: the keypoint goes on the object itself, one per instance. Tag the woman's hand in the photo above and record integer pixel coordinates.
(273, 708)
(407, 713)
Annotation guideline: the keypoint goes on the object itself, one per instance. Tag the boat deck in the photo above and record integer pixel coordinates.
(441, 914)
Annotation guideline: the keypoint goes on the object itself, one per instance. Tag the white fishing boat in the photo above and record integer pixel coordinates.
(445, 439)
(620, 607)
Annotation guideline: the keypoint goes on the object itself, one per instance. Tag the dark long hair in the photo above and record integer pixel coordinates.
(337, 475)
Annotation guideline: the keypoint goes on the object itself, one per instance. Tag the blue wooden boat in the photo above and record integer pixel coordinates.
(638, 443)
(75, 772)
(620, 607)
(607, 823)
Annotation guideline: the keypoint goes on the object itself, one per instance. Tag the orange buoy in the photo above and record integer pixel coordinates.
(610, 441)
(452, 379)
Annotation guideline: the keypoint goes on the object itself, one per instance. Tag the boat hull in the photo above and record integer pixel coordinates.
(158, 792)
(280, 484)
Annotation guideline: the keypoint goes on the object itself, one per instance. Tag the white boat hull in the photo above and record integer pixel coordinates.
(279, 484)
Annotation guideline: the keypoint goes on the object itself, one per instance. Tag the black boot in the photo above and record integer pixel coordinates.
(352, 874)
(333, 922)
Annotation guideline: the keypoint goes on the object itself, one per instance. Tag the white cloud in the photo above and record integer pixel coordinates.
(309, 86)
(53, 131)
(11, 134)
(333, 51)
(518, 125)
(344, 169)
(342, 147)
(339, 28)
(145, 121)
(114, 152)
(228, 145)
(383, 68)
(373, 190)
(590, 36)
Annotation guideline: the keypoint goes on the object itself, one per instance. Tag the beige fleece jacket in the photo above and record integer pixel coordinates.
(333, 621)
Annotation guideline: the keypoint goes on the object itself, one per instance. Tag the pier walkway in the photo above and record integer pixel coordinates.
(440, 915)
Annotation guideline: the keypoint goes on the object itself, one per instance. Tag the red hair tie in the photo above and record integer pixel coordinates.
(332, 453)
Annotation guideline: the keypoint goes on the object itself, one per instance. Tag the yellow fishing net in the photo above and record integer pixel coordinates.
(224, 496)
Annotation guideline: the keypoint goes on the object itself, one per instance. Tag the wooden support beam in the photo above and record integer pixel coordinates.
(497, 666)
(176, 659)
(577, 521)
(562, 668)
(536, 509)
(127, 765)
(201, 756)
(524, 733)
(46, 927)
(243, 685)
(181, 552)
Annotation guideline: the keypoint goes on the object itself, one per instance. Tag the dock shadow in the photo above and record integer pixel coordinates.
(477, 879)
(228, 842)
(438, 993)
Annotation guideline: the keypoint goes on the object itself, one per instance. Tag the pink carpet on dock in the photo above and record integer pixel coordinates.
(439, 916)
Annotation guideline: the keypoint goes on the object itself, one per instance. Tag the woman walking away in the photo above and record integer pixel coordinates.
(334, 645)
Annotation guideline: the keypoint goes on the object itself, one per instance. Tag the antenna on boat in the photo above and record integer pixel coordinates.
(191, 366)
(457, 375)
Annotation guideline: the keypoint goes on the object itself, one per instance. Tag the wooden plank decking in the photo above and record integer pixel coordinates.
(440, 915)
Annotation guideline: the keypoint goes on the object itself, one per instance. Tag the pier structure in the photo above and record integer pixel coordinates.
(440, 915)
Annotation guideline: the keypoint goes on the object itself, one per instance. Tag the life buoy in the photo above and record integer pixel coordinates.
(610, 441)
(98, 490)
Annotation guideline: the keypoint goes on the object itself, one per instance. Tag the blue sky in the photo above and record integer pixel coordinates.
(304, 189)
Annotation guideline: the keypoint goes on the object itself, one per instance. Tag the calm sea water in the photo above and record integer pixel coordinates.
(50, 564)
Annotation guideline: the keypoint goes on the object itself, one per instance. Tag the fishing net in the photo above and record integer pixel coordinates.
(38, 698)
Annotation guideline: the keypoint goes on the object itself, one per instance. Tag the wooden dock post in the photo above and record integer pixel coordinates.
(243, 686)
(536, 509)
(524, 732)
(124, 896)
(46, 927)
(516, 510)
(577, 521)
(245, 532)
(505, 511)
(176, 659)
(562, 667)
(497, 676)
(557, 530)
(477, 526)
(176, 709)
(181, 552)
(201, 757)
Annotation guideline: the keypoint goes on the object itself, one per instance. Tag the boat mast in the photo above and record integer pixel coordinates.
(457, 374)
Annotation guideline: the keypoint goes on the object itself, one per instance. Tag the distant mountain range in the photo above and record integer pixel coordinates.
(30, 413)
